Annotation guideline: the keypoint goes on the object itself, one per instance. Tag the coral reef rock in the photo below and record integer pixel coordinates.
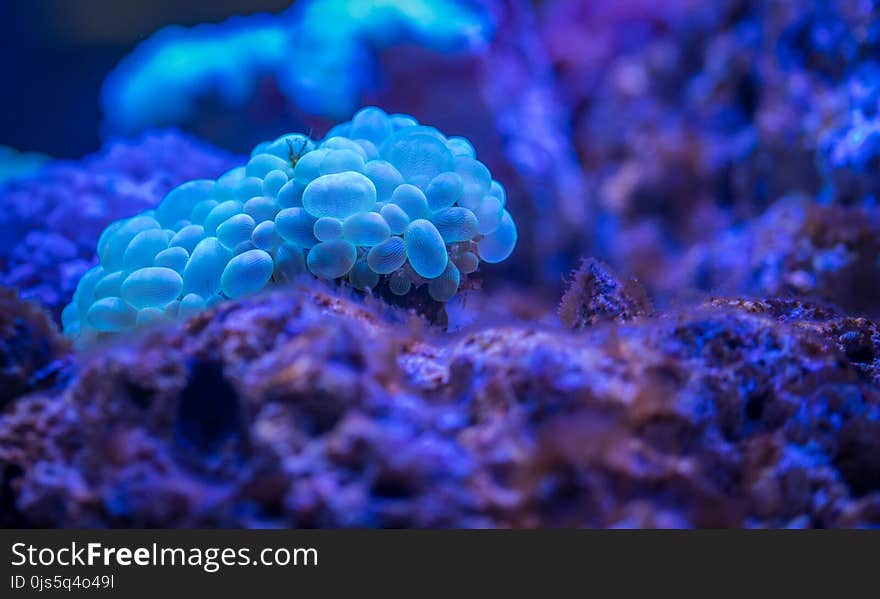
(595, 294)
(32, 351)
(303, 407)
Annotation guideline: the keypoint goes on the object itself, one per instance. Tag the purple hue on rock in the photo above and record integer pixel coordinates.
(797, 248)
(693, 118)
(307, 408)
(33, 355)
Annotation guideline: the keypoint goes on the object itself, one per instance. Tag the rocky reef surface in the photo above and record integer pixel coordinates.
(692, 119)
(311, 406)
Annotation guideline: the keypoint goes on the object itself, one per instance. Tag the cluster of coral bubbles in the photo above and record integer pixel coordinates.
(381, 200)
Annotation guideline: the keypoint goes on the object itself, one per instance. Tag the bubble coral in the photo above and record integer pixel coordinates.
(380, 196)
(311, 66)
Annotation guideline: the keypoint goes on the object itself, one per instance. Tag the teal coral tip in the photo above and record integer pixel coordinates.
(381, 201)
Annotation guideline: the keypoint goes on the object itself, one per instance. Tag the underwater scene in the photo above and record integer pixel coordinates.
(440, 264)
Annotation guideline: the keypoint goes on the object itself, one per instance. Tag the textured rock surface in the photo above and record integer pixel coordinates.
(692, 118)
(795, 249)
(595, 294)
(32, 351)
(306, 408)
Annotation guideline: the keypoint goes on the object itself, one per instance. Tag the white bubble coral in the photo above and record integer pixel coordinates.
(381, 200)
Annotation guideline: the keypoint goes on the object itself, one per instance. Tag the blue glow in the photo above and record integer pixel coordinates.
(15, 164)
(322, 55)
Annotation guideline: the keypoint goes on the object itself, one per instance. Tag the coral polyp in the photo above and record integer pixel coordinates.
(380, 201)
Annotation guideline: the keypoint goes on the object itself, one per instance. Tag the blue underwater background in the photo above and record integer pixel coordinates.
(440, 263)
